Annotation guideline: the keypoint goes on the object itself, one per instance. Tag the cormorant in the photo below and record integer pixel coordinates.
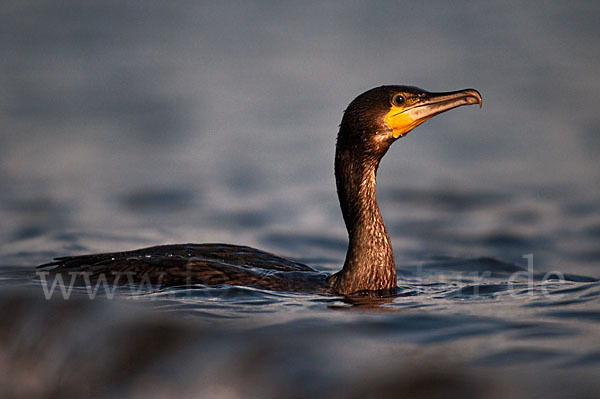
(370, 124)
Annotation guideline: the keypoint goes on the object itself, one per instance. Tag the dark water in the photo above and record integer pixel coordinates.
(129, 124)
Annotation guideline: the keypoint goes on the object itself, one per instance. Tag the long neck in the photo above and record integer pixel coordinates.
(369, 264)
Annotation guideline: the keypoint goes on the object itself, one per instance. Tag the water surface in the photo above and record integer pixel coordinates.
(140, 123)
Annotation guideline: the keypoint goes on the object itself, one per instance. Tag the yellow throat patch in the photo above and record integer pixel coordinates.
(400, 121)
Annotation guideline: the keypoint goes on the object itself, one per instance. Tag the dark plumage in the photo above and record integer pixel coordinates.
(371, 123)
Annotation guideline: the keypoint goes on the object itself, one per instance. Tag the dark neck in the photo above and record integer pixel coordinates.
(369, 264)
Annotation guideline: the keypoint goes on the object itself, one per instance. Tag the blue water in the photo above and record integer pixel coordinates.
(135, 123)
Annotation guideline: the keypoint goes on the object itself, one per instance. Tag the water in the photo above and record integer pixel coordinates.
(133, 124)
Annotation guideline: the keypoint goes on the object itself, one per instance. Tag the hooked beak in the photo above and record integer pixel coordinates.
(428, 106)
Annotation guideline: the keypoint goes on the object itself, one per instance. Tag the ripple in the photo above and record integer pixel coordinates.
(478, 290)
(158, 200)
(516, 356)
(479, 265)
(589, 359)
(587, 315)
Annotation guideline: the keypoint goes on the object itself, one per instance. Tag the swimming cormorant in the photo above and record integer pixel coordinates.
(371, 123)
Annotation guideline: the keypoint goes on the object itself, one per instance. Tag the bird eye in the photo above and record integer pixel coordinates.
(398, 100)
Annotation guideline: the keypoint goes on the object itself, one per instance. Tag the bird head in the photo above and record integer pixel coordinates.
(380, 116)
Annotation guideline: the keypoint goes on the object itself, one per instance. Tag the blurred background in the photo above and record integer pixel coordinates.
(133, 123)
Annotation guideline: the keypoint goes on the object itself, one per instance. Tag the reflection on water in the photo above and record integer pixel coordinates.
(135, 124)
(469, 325)
(259, 343)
